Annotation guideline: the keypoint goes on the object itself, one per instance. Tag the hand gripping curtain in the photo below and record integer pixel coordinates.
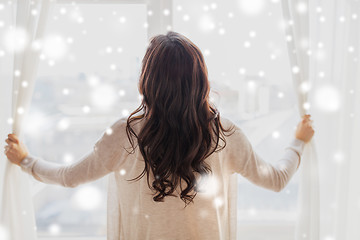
(298, 32)
(17, 211)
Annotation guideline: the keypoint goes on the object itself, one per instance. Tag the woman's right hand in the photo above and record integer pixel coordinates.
(304, 130)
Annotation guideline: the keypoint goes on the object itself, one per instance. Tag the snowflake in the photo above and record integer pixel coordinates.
(87, 198)
(109, 49)
(113, 67)
(17, 73)
(247, 44)
(122, 172)
(103, 96)
(54, 229)
(251, 7)
(10, 121)
(68, 158)
(327, 98)
(54, 47)
(125, 112)
(20, 110)
(109, 131)
(221, 31)
(305, 87)
(295, 69)
(339, 157)
(276, 134)
(86, 109)
(122, 92)
(51, 63)
(252, 211)
(321, 74)
(213, 5)
(242, 71)
(306, 105)
(63, 11)
(301, 7)
(186, 17)
(34, 12)
(122, 19)
(218, 202)
(69, 40)
(63, 124)
(166, 12)
(206, 23)
(15, 39)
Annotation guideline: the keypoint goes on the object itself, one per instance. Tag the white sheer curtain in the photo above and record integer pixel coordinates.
(297, 35)
(329, 197)
(338, 108)
(29, 18)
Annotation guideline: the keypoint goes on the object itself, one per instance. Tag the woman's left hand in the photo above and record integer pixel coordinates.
(16, 150)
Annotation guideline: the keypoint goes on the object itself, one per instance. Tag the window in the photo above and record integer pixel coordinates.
(88, 78)
(244, 47)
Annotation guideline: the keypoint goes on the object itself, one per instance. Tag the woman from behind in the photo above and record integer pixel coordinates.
(189, 154)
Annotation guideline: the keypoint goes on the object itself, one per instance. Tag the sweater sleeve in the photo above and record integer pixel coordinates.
(101, 160)
(244, 160)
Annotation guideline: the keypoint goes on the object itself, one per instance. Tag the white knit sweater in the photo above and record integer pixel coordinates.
(132, 213)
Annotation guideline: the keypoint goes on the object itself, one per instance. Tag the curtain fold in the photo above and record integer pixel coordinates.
(297, 29)
(340, 195)
(329, 197)
(17, 210)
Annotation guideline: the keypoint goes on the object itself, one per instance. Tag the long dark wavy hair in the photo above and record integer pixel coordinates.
(180, 121)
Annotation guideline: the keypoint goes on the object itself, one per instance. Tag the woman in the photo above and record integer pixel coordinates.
(176, 138)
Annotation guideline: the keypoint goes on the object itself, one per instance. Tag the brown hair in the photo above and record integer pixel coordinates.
(177, 134)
